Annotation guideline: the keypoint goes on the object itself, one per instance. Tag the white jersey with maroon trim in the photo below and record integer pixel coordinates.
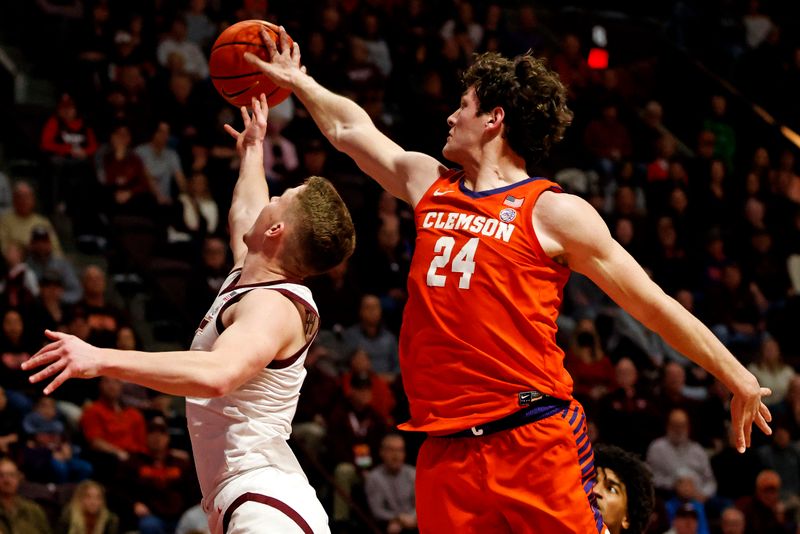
(238, 432)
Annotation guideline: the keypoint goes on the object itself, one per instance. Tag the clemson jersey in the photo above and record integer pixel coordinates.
(478, 340)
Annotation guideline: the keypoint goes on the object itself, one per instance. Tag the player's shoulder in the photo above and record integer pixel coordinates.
(421, 171)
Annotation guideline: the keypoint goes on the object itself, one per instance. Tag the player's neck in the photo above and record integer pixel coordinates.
(491, 174)
(495, 166)
(257, 269)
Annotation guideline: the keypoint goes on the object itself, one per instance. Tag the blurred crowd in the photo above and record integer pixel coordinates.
(131, 198)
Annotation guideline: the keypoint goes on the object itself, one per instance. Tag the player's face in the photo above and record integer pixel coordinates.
(612, 499)
(466, 128)
(274, 212)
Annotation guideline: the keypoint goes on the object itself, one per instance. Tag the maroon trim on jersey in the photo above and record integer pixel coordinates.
(219, 324)
(283, 364)
(281, 506)
(263, 284)
(232, 284)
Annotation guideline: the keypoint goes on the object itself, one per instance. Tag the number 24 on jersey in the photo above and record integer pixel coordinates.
(463, 263)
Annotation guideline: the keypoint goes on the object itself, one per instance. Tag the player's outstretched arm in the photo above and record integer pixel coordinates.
(251, 192)
(571, 230)
(241, 351)
(406, 175)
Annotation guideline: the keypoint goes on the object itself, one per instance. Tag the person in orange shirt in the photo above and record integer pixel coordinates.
(507, 447)
(113, 432)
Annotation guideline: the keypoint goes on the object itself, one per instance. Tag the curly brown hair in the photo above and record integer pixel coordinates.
(532, 96)
(323, 229)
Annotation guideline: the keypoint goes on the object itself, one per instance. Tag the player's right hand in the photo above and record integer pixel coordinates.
(255, 128)
(66, 357)
(283, 65)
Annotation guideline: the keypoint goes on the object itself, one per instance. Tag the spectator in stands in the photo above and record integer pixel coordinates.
(159, 482)
(390, 488)
(16, 225)
(735, 472)
(724, 134)
(196, 216)
(104, 318)
(280, 154)
(9, 426)
(207, 278)
(336, 294)
(764, 511)
(123, 177)
(686, 493)
(48, 456)
(370, 335)
(628, 406)
(382, 398)
(783, 457)
(17, 345)
(69, 142)
(18, 515)
(113, 432)
(193, 521)
(42, 259)
(672, 392)
(359, 430)
(735, 309)
(320, 389)
(572, 66)
(607, 139)
(591, 370)
(771, 370)
(732, 521)
(667, 455)
(186, 52)
(19, 286)
(87, 513)
(163, 164)
(49, 310)
(685, 521)
(200, 29)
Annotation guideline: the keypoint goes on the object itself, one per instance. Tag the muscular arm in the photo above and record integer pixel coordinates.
(251, 193)
(406, 175)
(253, 339)
(571, 230)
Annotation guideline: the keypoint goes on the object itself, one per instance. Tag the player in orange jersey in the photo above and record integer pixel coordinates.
(507, 448)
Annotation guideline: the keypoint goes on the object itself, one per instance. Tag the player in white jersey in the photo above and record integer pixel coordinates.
(243, 375)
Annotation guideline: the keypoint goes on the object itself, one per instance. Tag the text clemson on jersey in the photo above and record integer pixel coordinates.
(476, 224)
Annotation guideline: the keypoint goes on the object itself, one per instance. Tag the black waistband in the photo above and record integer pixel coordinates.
(542, 409)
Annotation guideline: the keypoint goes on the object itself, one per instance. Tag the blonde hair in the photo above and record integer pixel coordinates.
(77, 522)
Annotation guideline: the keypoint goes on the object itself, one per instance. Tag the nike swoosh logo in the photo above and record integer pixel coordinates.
(438, 193)
(237, 93)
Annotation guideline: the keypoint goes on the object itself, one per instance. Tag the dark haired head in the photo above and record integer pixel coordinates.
(532, 96)
(638, 481)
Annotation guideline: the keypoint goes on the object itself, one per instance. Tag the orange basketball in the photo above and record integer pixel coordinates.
(237, 80)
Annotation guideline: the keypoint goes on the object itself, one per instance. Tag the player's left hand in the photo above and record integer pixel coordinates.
(747, 407)
(66, 357)
(255, 127)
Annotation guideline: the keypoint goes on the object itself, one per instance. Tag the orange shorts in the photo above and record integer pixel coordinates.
(535, 478)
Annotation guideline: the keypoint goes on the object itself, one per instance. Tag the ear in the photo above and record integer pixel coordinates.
(275, 230)
(494, 118)
(625, 523)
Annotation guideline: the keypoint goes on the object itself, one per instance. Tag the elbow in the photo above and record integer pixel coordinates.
(217, 387)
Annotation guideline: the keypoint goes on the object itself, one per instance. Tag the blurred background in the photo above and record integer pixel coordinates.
(116, 176)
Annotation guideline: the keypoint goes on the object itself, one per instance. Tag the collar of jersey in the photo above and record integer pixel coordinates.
(489, 192)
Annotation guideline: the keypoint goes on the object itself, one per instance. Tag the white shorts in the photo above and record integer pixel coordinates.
(268, 500)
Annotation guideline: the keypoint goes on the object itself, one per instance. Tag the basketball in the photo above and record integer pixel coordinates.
(237, 80)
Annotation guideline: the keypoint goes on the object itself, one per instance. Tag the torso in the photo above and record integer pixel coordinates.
(479, 327)
(237, 433)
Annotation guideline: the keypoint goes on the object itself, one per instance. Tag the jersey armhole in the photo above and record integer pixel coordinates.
(537, 245)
